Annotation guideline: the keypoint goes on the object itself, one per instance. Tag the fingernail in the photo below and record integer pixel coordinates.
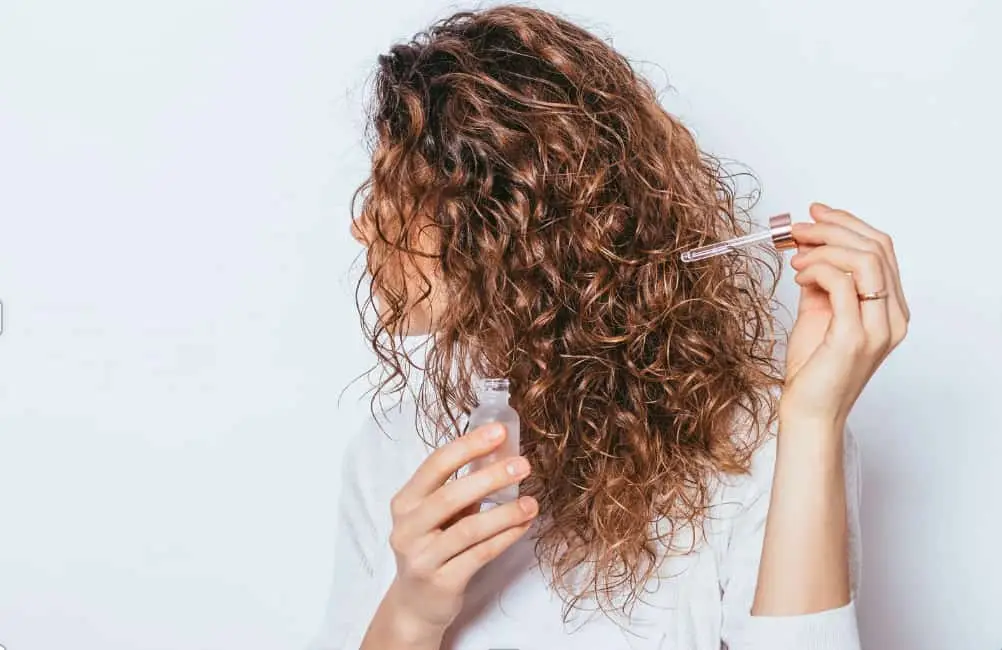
(517, 466)
(494, 432)
(528, 505)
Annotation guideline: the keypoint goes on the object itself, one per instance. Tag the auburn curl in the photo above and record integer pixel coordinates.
(550, 193)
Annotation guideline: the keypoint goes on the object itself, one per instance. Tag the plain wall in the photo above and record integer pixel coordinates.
(176, 272)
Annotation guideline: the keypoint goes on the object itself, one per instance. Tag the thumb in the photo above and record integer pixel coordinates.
(813, 300)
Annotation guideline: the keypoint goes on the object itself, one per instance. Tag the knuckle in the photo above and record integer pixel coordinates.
(468, 531)
(451, 500)
(872, 261)
(397, 543)
(475, 438)
(397, 507)
(421, 568)
(458, 452)
(873, 247)
(483, 553)
(445, 454)
(439, 457)
(448, 584)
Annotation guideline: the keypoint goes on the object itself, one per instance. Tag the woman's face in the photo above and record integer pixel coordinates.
(405, 273)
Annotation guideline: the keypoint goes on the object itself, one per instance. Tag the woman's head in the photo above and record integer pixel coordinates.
(528, 201)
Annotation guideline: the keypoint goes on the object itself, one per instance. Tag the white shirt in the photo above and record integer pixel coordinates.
(701, 601)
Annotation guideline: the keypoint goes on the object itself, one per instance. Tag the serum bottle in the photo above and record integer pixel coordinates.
(492, 398)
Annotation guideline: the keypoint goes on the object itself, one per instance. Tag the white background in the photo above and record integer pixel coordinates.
(175, 267)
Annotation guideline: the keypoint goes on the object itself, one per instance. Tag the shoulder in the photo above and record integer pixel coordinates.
(383, 453)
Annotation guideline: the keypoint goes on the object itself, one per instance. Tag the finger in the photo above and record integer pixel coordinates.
(846, 325)
(821, 233)
(824, 233)
(453, 497)
(470, 531)
(869, 274)
(824, 214)
(461, 568)
(468, 511)
(444, 462)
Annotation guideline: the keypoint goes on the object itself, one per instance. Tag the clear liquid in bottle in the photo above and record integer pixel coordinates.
(492, 398)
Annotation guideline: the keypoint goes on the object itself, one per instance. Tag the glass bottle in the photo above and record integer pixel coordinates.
(492, 398)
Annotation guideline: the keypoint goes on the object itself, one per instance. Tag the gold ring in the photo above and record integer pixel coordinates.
(876, 295)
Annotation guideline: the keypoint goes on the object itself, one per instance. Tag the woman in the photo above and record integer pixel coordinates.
(527, 205)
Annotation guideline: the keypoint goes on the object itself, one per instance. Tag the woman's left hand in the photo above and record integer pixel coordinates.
(840, 338)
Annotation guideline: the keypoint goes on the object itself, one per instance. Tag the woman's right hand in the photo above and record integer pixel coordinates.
(441, 539)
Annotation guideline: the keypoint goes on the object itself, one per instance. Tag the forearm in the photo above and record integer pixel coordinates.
(805, 563)
(390, 629)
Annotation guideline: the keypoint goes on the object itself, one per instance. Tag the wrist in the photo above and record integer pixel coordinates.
(406, 628)
(810, 434)
(818, 421)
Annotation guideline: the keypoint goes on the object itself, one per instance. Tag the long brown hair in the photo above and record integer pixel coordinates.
(559, 193)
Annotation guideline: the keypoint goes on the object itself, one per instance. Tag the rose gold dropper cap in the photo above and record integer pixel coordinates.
(781, 231)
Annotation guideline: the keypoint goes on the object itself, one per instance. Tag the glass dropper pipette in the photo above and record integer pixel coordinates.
(780, 233)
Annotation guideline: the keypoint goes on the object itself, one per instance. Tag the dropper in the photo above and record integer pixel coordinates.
(780, 232)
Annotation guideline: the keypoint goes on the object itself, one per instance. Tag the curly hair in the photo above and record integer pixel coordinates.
(557, 194)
